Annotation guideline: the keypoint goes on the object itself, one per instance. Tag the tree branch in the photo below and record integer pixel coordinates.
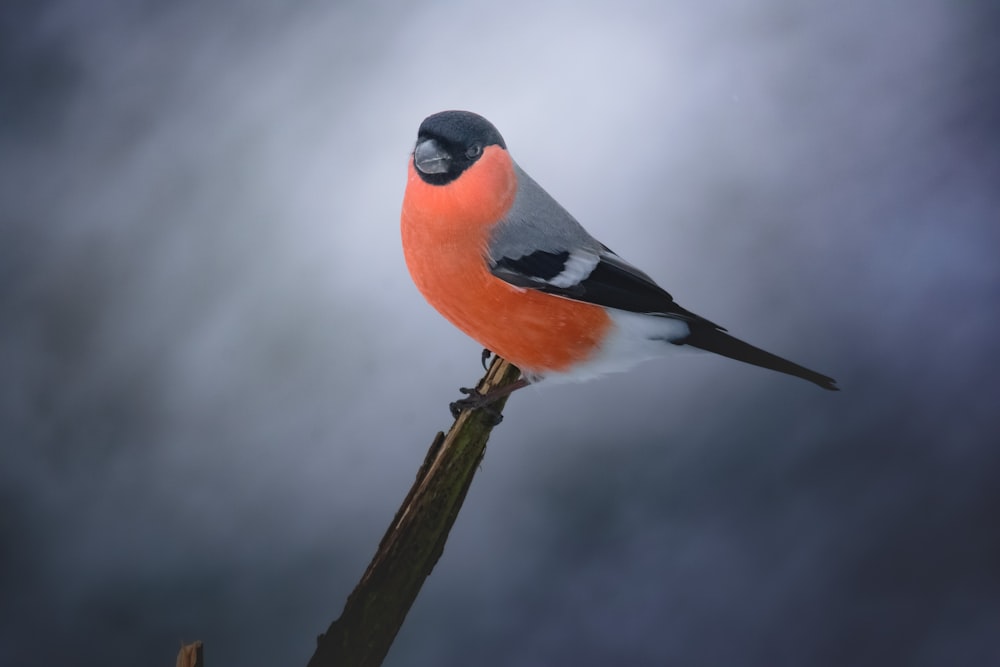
(190, 655)
(377, 607)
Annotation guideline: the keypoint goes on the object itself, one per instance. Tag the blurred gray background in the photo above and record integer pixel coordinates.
(217, 381)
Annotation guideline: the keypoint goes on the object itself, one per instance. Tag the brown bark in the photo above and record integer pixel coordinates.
(375, 611)
(191, 655)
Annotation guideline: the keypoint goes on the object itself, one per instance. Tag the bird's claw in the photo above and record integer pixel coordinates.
(487, 353)
(474, 400)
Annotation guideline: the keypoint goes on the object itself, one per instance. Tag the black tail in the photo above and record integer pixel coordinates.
(719, 342)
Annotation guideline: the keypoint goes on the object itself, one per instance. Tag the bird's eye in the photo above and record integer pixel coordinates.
(474, 151)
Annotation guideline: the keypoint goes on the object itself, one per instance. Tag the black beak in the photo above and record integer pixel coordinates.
(430, 158)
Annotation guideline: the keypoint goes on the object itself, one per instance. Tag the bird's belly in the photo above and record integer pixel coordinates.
(537, 332)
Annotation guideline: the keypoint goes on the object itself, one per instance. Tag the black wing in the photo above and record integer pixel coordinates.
(604, 279)
(607, 280)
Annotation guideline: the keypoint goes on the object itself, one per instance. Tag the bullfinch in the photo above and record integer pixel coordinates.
(505, 263)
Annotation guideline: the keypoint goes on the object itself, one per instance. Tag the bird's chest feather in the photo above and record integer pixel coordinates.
(444, 241)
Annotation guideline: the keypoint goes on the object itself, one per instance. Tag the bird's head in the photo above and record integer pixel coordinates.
(450, 142)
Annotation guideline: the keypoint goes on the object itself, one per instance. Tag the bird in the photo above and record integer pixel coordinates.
(506, 264)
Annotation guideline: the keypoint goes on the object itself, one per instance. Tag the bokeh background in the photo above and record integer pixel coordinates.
(217, 381)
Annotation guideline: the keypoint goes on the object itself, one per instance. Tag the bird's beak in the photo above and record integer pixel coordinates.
(430, 158)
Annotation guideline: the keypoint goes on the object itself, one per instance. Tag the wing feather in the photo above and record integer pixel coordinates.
(611, 282)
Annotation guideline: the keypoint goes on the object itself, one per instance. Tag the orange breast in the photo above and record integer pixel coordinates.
(445, 231)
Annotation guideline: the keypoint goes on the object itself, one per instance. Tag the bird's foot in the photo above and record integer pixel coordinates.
(473, 401)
